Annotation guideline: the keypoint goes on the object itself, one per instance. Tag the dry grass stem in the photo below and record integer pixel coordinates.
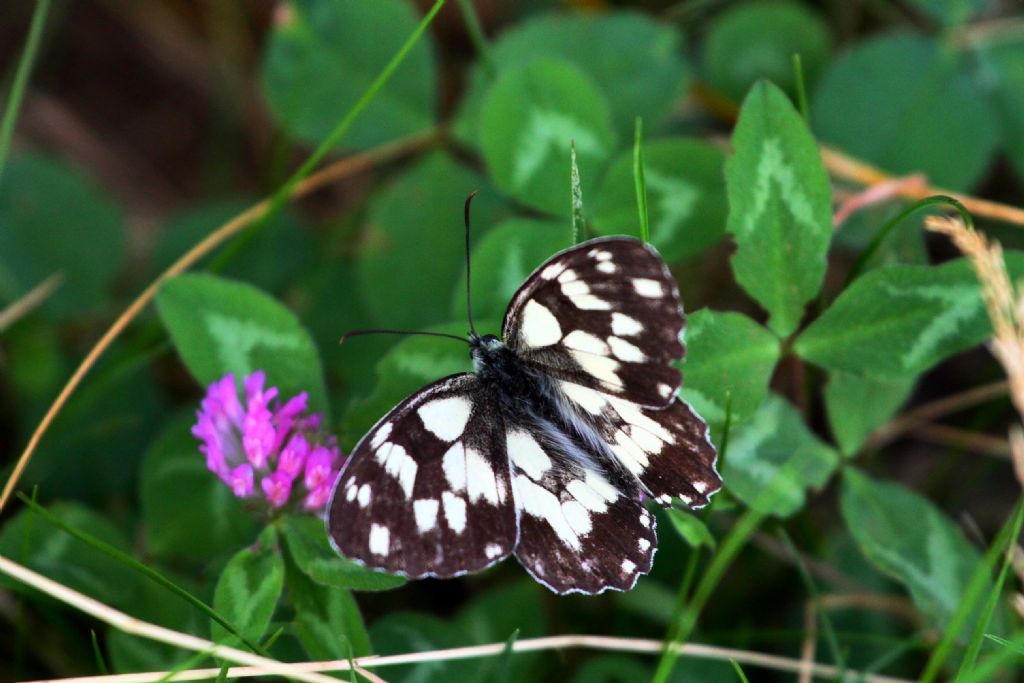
(954, 437)
(145, 629)
(809, 643)
(340, 169)
(32, 299)
(878, 194)
(847, 168)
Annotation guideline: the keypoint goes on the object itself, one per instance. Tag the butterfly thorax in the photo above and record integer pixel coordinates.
(521, 391)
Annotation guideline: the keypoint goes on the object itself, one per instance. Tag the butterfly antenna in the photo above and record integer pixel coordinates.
(360, 333)
(469, 303)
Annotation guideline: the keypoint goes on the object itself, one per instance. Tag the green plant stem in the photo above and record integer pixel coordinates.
(801, 89)
(21, 75)
(737, 539)
(884, 231)
(476, 35)
(639, 181)
(281, 195)
(576, 194)
(143, 569)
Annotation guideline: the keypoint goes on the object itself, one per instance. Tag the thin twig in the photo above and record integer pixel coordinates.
(145, 629)
(818, 569)
(953, 437)
(339, 169)
(937, 409)
(23, 306)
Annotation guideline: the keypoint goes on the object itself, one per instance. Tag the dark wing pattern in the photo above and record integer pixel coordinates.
(582, 529)
(427, 491)
(668, 450)
(605, 315)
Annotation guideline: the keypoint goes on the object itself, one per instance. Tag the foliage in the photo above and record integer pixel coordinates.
(802, 341)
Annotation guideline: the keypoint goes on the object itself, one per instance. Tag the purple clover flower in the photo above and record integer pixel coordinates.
(263, 448)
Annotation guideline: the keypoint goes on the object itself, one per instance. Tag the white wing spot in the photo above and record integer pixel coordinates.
(632, 414)
(600, 367)
(540, 327)
(628, 567)
(665, 390)
(526, 454)
(552, 271)
(575, 288)
(480, 478)
(648, 442)
(568, 275)
(446, 418)
(380, 539)
(625, 351)
(538, 502)
(492, 550)
(630, 455)
(685, 498)
(399, 464)
(588, 399)
(578, 517)
(584, 341)
(645, 518)
(603, 255)
(350, 492)
(666, 499)
(606, 267)
(364, 495)
(587, 497)
(426, 514)
(649, 288)
(643, 544)
(624, 326)
(454, 511)
(383, 432)
(589, 302)
(454, 465)
(700, 486)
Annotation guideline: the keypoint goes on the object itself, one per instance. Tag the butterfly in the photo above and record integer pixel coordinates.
(549, 448)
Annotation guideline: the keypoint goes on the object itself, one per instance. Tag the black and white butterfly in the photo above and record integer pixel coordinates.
(548, 450)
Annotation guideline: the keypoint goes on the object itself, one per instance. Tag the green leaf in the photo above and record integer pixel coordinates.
(308, 545)
(1002, 66)
(501, 262)
(529, 119)
(212, 522)
(221, 326)
(910, 539)
(31, 541)
(901, 320)
(773, 458)
(636, 62)
(685, 197)
(780, 207)
(271, 259)
(413, 250)
(887, 101)
(691, 529)
(757, 40)
(729, 361)
(248, 589)
(81, 236)
(322, 56)
(858, 405)
(327, 620)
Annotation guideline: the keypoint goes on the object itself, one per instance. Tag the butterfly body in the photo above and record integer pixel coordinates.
(549, 448)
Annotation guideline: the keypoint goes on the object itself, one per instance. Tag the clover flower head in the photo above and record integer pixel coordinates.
(266, 449)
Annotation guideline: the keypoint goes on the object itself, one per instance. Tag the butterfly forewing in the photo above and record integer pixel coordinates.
(582, 528)
(427, 490)
(605, 315)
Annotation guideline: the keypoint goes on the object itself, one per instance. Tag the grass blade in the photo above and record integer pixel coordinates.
(639, 180)
(146, 571)
(28, 57)
(578, 222)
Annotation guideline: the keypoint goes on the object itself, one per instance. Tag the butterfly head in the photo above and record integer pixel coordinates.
(482, 348)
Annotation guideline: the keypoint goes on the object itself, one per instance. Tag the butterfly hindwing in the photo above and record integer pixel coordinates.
(582, 529)
(427, 491)
(667, 449)
(604, 314)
